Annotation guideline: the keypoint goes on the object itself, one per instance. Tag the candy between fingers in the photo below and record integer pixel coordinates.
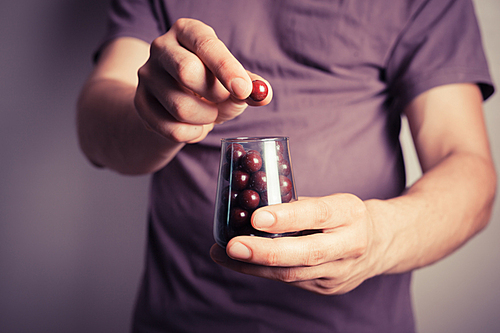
(259, 91)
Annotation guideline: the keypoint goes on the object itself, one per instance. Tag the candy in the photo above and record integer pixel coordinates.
(252, 161)
(259, 91)
(249, 199)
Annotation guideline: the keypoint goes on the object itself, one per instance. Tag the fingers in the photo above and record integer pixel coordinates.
(201, 39)
(181, 103)
(310, 250)
(269, 96)
(312, 213)
(197, 59)
(343, 222)
(193, 82)
(186, 67)
(318, 279)
(155, 118)
(233, 107)
(219, 255)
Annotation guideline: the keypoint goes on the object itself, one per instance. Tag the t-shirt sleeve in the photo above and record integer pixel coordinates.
(441, 44)
(130, 18)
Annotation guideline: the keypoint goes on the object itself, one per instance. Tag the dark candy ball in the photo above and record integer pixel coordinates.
(284, 167)
(280, 148)
(252, 161)
(258, 181)
(287, 197)
(259, 90)
(235, 153)
(249, 199)
(285, 185)
(240, 180)
(239, 217)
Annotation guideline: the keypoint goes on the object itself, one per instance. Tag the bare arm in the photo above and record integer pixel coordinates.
(110, 130)
(454, 198)
(360, 239)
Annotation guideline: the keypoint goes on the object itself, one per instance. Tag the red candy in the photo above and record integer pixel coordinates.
(284, 167)
(240, 180)
(235, 152)
(252, 161)
(239, 217)
(285, 185)
(258, 181)
(259, 91)
(249, 199)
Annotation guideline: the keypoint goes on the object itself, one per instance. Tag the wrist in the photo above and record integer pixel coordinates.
(384, 250)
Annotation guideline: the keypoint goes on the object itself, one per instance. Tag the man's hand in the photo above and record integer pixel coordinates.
(337, 255)
(188, 82)
(355, 240)
(191, 82)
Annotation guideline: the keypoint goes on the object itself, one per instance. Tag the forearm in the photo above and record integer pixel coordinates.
(439, 213)
(112, 135)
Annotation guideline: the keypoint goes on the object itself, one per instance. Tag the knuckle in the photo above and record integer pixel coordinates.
(206, 45)
(179, 133)
(315, 256)
(183, 25)
(361, 246)
(272, 258)
(343, 272)
(182, 109)
(143, 72)
(223, 65)
(326, 286)
(189, 71)
(186, 109)
(357, 206)
(322, 212)
(292, 215)
(157, 46)
(288, 275)
(180, 24)
(359, 251)
(145, 76)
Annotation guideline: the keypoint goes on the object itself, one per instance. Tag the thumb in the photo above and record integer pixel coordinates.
(233, 107)
(230, 108)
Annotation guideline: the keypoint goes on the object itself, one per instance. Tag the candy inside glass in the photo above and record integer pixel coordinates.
(253, 172)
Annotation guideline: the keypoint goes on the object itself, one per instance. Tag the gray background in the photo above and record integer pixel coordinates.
(72, 237)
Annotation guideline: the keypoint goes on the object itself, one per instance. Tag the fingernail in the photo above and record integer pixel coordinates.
(263, 219)
(239, 251)
(240, 88)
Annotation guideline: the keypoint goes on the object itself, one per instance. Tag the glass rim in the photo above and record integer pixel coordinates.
(255, 139)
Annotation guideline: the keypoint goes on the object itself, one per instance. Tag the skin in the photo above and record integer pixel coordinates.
(137, 125)
(143, 102)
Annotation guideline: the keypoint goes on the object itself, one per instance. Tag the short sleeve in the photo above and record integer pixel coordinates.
(441, 44)
(130, 18)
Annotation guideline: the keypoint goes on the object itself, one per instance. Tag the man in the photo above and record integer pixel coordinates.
(340, 75)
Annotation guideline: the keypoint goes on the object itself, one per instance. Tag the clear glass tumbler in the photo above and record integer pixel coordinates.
(253, 172)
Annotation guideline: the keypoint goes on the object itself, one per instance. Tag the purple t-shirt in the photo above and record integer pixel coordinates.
(342, 72)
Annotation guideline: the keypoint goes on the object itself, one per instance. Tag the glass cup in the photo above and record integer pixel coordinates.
(253, 172)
